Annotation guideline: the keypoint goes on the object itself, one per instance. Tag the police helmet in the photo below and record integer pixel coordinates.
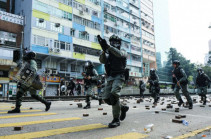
(176, 62)
(115, 41)
(152, 71)
(89, 64)
(29, 55)
(200, 70)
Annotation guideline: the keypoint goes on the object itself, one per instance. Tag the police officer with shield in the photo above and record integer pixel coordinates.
(115, 60)
(180, 82)
(202, 83)
(90, 79)
(29, 59)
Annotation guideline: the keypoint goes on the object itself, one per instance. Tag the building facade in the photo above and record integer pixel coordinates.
(63, 33)
(11, 28)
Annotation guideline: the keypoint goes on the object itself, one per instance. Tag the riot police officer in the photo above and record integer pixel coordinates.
(154, 88)
(90, 80)
(71, 87)
(142, 87)
(115, 64)
(202, 82)
(180, 82)
(78, 88)
(29, 59)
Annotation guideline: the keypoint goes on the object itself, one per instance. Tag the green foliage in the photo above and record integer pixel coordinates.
(185, 64)
(207, 70)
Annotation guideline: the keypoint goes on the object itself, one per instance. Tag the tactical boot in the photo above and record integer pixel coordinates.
(180, 103)
(190, 105)
(87, 106)
(205, 100)
(100, 101)
(124, 109)
(48, 106)
(114, 123)
(16, 110)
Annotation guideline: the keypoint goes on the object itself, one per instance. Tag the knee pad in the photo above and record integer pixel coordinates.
(112, 100)
(107, 101)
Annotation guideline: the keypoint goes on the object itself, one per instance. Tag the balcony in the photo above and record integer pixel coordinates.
(12, 18)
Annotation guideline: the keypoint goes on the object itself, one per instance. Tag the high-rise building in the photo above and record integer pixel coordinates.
(148, 37)
(158, 60)
(11, 27)
(63, 33)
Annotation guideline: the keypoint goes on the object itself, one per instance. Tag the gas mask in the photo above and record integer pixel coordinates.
(115, 44)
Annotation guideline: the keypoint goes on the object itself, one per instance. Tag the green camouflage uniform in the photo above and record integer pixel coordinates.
(202, 82)
(114, 84)
(23, 89)
(183, 86)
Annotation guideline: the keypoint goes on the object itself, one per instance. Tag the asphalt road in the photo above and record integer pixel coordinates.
(66, 121)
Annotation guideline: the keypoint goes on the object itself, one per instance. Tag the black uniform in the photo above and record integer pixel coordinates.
(202, 83)
(180, 82)
(154, 88)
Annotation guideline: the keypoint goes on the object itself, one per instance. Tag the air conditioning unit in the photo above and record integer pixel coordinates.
(115, 24)
(105, 9)
(107, 31)
(81, 12)
(72, 29)
(56, 50)
(105, 20)
(51, 49)
(134, 22)
(84, 32)
(41, 20)
(48, 71)
(55, 72)
(57, 25)
(96, 2)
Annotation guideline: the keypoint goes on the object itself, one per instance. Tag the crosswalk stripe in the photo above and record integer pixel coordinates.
(12, 108)
(24, 111)
(132, 135)
(46, 133)
(193, 133)
(26, 115)
(39, 122)
(7, 106)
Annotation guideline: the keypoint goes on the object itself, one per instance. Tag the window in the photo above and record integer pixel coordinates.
(67, 15)
(40, 41)
(63, 66)
(84, 35)
(39, 24)
(72, 32)
(95, 39)
(75, 68)
(56, 44)
(39, 63)
(57, 29)
(68, 46)
(62, 45)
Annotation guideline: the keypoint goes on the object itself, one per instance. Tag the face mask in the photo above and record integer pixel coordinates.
(115, 44)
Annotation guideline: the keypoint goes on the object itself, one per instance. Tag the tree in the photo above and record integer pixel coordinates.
(209, 61)
(189, 67)
(207, 70)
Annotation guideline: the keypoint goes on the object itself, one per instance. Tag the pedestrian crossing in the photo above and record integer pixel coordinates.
(26, 115)
(24, 111)
(51, 132)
